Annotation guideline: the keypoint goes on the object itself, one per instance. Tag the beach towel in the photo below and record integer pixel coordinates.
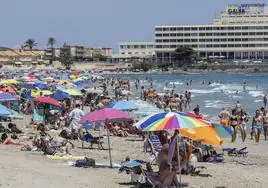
(65, 158)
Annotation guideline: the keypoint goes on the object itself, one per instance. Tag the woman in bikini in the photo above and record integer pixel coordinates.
(257, 124)
(8, 141)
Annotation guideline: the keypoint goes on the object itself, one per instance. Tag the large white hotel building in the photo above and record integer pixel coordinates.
(240, 33)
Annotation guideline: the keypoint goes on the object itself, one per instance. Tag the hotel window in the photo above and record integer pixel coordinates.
(223, 40)
(179, 40)
(216, 34)
(202, 28)
(158, 40)
(244, 45)
(216, 40)
(202, 40)
(259, 27)
(179, 28)
(179, 34)
(165, 29)
(244, 34)
(194, 29)
(265, 27)
(259, 45)
(173, 34)
(122, 53)
(202, 46)
(223, 34)
(172, 29)
(187, 35)
(158, 35)
(230, 34)
(187, 40)
(209, 46)
(238, 34)
(208, 28)
(237, 28)
(245, 39)
(208, 34)
(173, 40)
(209, 40)
(237, 45)
(202, 34)
(159, 46)
(230, 39)
(251, 45)
(259, 33)
(194, 40)
(223, 45)
(265, 33)
(252, 33)
(166, 46)
(165, 40)
(129, 53)
(230, 28)
(237, 39)
(230, 45)
(173, 46)
(187, 29)
(194, 46)
(158, 29)
(165, 35)
(245, 28)
(265, 39)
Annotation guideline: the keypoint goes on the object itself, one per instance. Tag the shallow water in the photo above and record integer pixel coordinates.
(224, 91)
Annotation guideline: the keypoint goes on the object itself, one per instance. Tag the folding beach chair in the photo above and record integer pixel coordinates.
(155, 145)
(238, 153)
(87, 137)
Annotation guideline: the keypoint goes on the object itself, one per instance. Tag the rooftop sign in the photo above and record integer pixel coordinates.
(235, 9)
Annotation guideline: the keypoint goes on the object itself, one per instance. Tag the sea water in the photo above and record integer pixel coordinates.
(225, 90)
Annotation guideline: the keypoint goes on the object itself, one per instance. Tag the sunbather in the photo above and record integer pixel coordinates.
(8, 141)
(13, 128)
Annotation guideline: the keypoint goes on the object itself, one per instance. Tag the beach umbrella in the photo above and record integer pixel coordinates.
(221, 130)
(4, 111)
(14, 114)
(60, 96)
(47, 100)
(175, 121)
(7, 97)
(8, 90)
(123, 105)
(105, 115)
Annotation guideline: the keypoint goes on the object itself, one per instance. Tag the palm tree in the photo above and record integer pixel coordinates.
(30, 43)
(51, 42)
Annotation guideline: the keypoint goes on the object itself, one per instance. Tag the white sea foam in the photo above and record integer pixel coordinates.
(256, 93)
(201, 91)
(257, 101)
(214, 84)
(176, 83)
(215, 104)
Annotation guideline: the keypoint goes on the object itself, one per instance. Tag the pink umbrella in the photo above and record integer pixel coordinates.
(105, 115)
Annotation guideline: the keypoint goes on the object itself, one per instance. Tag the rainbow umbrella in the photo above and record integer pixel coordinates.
(221, 130)
(170, 121)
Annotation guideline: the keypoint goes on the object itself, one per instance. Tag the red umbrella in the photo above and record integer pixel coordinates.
(8, 90)
(47, 100)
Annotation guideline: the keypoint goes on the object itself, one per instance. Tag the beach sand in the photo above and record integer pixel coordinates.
(21, 169)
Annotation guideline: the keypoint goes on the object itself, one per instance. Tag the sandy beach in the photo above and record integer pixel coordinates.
(31, 169)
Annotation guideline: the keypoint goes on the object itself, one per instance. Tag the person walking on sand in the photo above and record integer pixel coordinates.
(257, 124)
(265, 123)
(76, 115)
(224, 117)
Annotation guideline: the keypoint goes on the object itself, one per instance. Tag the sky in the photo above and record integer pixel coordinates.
(99, 23)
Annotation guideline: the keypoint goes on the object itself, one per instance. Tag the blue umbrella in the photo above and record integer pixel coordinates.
(123, 105)
(27, 95)
(60, 96)
(4, 111)
(7, 97)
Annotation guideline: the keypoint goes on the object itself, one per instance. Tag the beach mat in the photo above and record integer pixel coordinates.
(65, 158)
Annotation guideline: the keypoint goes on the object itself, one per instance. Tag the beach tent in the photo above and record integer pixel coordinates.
(4, 111)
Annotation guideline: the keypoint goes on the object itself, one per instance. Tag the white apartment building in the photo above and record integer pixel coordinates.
(241, 32)
(136, 50)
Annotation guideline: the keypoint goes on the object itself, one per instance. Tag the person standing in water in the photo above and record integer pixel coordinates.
(244, 86)
(265, 100)
(265, 123)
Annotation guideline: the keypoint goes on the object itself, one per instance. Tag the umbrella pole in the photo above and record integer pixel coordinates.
(179, 161)
(109, 145)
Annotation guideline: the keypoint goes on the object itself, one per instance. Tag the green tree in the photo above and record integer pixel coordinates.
(30, 43)
(184, 53)
(51, 43)
(66, 59)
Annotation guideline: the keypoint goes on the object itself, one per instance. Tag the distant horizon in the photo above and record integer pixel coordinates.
(99, 23)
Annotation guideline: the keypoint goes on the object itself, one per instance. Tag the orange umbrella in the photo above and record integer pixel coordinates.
(9, 90)
(207, 135)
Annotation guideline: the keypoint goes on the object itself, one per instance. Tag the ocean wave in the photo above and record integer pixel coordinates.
(257, 100)
(256, 93)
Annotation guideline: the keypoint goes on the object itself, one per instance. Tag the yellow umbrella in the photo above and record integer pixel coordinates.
(37, 93)
(9, 82)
